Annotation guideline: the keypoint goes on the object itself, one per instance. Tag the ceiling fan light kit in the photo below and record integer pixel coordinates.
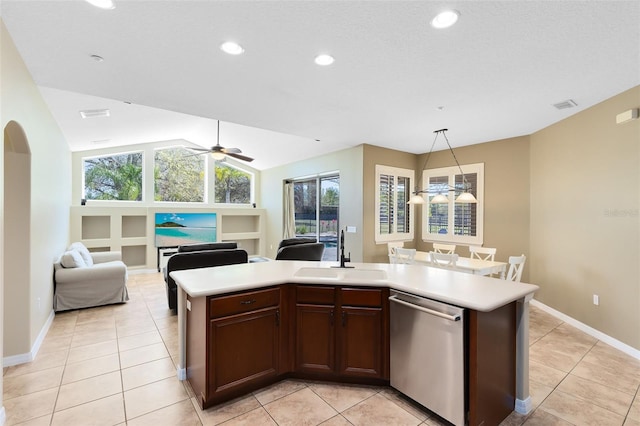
(219, 152)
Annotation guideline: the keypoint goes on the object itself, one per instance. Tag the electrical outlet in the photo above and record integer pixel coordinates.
(188, 305)
(596, 299)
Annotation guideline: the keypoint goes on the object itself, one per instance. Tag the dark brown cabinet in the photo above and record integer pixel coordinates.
(340, 331)
(240, 342)
(242, 345)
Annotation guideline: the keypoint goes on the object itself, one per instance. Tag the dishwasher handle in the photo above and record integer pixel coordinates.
(426, 310)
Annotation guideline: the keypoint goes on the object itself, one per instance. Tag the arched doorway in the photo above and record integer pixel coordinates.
(17, 241)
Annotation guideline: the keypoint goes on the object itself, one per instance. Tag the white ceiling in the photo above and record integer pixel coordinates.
(497, 72)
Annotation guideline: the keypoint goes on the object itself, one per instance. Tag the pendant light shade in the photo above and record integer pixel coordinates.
(466, 197)
(440, 199)
(416, 199)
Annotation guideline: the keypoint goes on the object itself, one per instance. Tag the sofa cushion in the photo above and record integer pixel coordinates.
(84, 252)
(72, 259)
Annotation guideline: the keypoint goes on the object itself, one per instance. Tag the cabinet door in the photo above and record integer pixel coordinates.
(243, 351)
(315, 338)
(360, 342)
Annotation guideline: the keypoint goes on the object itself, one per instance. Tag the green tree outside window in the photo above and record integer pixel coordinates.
(233, 186)
(114, 177)
(178, 175)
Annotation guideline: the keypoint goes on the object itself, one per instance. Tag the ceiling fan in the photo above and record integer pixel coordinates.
(219, 152)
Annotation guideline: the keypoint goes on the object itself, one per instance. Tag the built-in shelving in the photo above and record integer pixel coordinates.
(130, 230)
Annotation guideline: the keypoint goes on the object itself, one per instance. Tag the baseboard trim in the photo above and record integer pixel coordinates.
(181, 373)
(524, 406)
(629, 350)
(8, 361)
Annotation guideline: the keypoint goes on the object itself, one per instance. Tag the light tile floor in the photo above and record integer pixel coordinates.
(115, 365)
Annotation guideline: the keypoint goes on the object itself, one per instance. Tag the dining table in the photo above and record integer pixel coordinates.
(466, 264)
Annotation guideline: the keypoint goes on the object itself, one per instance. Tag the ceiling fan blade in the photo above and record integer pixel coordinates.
(198, 149)
(195, 154)
(239, 156)
(233, 150)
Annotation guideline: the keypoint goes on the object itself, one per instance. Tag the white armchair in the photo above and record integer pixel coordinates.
(83, 279)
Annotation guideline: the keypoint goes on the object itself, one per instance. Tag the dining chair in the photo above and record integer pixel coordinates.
(444, 248)
(516, 265)
(404, 255)
(391, 248)
(443, 260)
(482, 253)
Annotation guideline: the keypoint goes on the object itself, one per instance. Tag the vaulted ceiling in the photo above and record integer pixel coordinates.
(495, 74)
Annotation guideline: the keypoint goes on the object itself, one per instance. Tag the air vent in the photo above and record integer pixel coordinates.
(569, 103)
(93, 113)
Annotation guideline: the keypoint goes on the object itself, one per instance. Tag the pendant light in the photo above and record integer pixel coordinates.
(465, 197)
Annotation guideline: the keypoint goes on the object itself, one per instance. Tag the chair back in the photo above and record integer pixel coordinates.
(391, 249)
(516, 265)
(227, 245)
(443, 260)
(444, 248)
(404, 255)
(482, 253)
(296, 241)
(305, 251)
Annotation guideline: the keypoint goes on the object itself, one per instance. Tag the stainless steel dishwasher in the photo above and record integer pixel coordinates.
(427, 354)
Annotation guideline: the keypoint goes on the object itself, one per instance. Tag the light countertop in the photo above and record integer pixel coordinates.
(457, 288)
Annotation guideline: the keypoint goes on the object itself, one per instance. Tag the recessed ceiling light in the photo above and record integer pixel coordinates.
(445, 19)
(102, 4)
(232, 48)
(92, 113)
(324, 60)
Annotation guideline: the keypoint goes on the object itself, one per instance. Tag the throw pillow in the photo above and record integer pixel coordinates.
(84, 252)
(72, 259)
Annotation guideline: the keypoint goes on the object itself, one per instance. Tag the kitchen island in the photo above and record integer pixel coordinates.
(245, 326)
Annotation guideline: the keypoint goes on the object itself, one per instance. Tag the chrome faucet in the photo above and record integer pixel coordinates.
(343, 259)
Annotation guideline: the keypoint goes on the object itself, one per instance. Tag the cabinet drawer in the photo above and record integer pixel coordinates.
(243, 302)
(361, 297)
(315, 295)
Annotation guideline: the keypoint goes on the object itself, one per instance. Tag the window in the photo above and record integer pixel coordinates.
(453, 222)
(393, 214)
(113, 177)
(233, 186)
(179, 175)
(316, 205)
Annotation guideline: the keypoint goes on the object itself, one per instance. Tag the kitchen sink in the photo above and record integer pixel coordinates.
(317, 273)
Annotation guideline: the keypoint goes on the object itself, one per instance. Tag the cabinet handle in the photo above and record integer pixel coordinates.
(331, 317)
(278, 317)
(344, 318)
(248, 302)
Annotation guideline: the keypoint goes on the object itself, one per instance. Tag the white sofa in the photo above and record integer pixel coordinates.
(93, 279)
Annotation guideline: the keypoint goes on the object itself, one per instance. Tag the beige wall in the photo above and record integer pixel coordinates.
(50, 194)
(506, 218)
(506, 194)
(374, 155)
(585, 226)
(348, 163)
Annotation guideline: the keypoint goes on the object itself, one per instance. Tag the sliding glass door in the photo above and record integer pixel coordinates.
(317, 202)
